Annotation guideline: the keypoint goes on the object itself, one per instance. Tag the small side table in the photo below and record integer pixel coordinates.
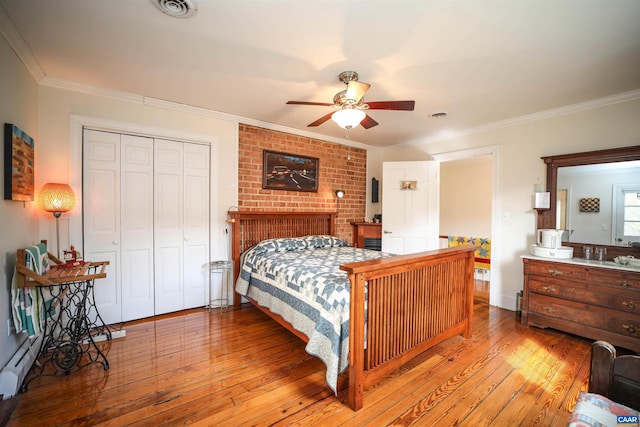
(223, 272)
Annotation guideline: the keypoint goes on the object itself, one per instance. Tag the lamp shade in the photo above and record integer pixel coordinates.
(339, 194)
(56, 198)
(348, 118)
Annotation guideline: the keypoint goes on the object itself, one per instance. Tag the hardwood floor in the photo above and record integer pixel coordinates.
(241, 368)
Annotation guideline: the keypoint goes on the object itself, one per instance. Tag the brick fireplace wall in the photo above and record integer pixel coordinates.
(341, 167)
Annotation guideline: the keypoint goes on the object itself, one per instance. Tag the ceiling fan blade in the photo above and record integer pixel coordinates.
(321, 104)
(321, 120)
(368, 122)
(356, 90)
(392, 105)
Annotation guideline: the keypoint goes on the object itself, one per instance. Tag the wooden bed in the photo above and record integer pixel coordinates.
(402, 322)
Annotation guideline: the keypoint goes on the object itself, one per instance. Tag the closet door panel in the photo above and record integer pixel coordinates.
(168, 228)
(137, 227)
(196, 224)
(101, 213)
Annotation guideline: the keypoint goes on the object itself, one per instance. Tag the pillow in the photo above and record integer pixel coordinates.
(297, 243)
(595, 410)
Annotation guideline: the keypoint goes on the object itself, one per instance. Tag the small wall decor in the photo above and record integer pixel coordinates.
(408, 185)
(283, 171)
(19, 150)
(591, 205)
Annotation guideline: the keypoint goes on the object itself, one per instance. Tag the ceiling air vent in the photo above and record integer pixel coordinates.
(177, 8)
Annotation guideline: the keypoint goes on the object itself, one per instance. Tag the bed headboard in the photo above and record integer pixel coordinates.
(251, 227)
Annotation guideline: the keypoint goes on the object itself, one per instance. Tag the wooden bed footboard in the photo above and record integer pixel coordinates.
(414, 302)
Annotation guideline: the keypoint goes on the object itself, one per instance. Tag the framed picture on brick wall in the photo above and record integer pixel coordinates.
(292, 172)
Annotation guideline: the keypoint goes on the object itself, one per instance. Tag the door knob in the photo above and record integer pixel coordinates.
(115, 242)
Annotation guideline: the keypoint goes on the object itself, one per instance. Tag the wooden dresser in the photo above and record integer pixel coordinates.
(583, 298)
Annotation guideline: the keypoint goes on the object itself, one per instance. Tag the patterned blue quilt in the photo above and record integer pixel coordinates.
(300, 279)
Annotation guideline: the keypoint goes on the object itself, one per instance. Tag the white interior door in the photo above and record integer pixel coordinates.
(136, 225)
(196, 224)
(101, 213)
(168, 226)
(410, 211)
(118, 221)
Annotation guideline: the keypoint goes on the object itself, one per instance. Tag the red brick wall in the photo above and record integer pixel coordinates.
(341, 167)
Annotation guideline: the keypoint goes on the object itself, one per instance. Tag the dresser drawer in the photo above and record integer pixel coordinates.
(619, 279)
(587, 293)
(556, 270)
(622, 323)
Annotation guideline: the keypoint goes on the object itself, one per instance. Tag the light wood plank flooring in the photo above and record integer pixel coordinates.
(201, 367)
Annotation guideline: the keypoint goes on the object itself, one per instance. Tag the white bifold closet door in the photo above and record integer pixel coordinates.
(146, 211)
(181, 225)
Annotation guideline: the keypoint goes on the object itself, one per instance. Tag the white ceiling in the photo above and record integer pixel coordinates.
(483, 62)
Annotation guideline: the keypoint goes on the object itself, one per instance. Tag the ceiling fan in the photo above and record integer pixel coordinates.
(350, 104)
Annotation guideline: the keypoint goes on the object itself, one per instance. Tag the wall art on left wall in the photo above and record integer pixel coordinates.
(19, 155)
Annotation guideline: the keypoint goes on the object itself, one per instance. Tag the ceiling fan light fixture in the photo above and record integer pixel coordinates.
(348, 118)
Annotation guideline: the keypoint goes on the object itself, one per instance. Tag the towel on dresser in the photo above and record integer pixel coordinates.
(27, 304)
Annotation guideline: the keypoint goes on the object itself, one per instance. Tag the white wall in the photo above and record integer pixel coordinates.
(518, 168)
(18, 220)
(466, 197)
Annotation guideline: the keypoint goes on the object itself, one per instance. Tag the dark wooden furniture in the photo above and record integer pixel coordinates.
(414, 301)
(365, 230)
(584, 299)
(615, 377)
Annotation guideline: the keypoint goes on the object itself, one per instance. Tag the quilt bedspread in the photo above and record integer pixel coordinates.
(300, 279)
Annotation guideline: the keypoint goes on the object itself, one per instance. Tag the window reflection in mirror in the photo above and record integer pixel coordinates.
(610, 210)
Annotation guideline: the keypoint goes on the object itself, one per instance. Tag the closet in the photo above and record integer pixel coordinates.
(146, 211)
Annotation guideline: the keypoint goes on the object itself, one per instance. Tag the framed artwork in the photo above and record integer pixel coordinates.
(18, 164)
(283, 171)
(590, 205)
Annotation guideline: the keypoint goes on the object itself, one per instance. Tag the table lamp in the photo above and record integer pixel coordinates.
(56, 198)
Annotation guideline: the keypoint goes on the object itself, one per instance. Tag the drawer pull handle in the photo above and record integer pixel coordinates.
(549, 289)
(548, 309)
(623, 283)
(630, 328)
(555, 272)
(629, 304)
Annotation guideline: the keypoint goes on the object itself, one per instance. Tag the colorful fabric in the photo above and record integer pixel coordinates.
(27, 305)
(594, 410)
(482, 254)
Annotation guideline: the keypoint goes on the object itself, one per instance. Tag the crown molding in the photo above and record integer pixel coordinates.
(19, 46)
(188, 109)
(92, 90)
(542, 115)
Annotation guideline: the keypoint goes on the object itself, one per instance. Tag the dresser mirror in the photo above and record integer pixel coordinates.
(569, 211)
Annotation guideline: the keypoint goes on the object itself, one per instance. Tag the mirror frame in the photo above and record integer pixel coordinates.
(547, 217)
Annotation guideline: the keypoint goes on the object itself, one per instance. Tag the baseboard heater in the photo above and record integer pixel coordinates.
(16, 370)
